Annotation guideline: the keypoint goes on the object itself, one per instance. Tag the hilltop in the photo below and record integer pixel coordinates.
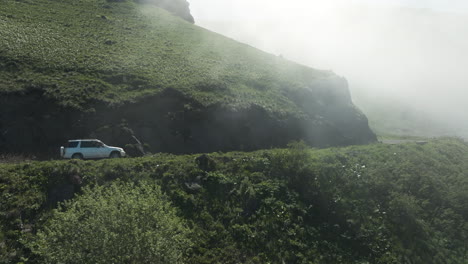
(118, 69)
(179, 8)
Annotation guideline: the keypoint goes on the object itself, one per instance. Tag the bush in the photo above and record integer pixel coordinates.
(120, 223)
(380, 204)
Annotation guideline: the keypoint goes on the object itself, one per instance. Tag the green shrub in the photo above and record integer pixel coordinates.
(379, 204)
(119, 223)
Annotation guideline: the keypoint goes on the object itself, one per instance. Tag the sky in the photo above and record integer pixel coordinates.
(235, 9)
(407, 54)
(439, 5)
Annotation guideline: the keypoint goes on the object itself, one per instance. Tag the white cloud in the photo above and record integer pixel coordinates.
(416, 56)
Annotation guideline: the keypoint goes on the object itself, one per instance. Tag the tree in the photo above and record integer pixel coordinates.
(119, 223)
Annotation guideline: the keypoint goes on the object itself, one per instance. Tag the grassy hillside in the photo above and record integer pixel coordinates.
(363, 204)
(80, 52)
(78, 68)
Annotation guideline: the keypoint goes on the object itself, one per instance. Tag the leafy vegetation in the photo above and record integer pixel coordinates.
(120, 223)
(363, 204)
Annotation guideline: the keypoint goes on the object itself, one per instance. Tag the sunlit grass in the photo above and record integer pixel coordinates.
(82, 52)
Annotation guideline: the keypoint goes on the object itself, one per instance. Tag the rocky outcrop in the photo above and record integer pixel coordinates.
(179, 8)
(172, 122)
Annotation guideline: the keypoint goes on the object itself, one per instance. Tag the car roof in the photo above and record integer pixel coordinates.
(83, 140)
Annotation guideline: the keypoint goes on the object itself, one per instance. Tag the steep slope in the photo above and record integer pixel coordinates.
(382, 204)
(113, 70)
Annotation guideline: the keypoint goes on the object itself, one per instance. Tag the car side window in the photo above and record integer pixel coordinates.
(72, 144)
(87, 144)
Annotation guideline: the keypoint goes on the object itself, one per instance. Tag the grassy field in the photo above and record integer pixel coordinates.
(379, 203)
(87, 51)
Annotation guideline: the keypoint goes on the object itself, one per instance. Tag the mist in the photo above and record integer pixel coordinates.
(406, 61)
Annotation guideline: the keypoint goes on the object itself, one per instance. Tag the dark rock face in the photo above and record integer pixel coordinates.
(177, 7)
(333, 118)
(171, 122)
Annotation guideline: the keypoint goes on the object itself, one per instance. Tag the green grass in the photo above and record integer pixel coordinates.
(387, 136)
(82, 52)
(363, 204)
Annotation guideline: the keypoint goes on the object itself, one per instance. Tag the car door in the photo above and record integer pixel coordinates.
(101, 150)
(88, 149)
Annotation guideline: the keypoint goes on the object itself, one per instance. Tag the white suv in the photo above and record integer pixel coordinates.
(89, 149)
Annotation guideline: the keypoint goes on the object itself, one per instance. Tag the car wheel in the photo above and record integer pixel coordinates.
(114, 155)
(77, 156)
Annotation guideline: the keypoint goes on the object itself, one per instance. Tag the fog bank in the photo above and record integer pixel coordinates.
(407, 67)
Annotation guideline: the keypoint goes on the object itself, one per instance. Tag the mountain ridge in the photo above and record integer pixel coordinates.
(196, 90)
